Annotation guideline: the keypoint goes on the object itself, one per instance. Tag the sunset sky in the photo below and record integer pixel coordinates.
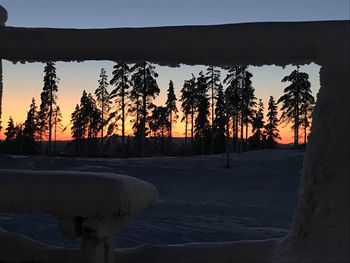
(24, 81)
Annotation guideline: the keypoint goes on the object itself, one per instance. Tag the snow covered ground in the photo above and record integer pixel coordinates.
(199, 200)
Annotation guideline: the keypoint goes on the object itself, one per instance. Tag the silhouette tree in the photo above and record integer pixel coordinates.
(248, 103)
(292, 100)
(48, 100)
(307, 107)
(57, 124)
(202, 127)
(219, 124)
(121, 82)
(258, 124)
(31, 129)
(78, 128)
(10, 131)
(146, 88)
(86, 122)
(103, 101)
(188, 100)
(271, 130)
(233, 93)
(159, 124)
(171, 109)
(213, 83)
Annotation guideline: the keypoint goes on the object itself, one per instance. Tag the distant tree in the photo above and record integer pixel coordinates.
(122, 83)
(258, 124)
(146, 88)
(159, 123)
(10, 131)
(171, 109)
(271, 127)
(103, 101)
(188, 100)
(306, 109)
(233, 93)
(292, 100)
(248, 102)
(57, 124)
(213, 83)
(31, 129)
(220, 121)
(48, 100)
(78, 128)
(86, 122)
(202, 127)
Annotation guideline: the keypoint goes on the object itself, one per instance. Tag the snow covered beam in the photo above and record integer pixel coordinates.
(90, 206)
(278, 43)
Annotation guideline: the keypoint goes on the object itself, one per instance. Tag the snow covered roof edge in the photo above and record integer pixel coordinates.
(279, 43)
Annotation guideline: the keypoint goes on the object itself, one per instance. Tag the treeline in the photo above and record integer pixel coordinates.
(216, 119)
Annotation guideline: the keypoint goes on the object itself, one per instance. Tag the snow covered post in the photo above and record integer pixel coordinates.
(3, 19)
(92, 207)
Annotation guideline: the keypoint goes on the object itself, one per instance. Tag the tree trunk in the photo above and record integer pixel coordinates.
(123, 117)
(50, 123)
(185, 147)
(192, 124)
(144, 112)
(212, 113)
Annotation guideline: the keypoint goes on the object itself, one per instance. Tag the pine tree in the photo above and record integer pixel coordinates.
(271, 130)
(219, 125)
(171, 109)
(306, 109)
(292, 100)
(159, 124)
(31, 128)
(78, 128)
(103, 101)
(121, 82)
(202, 104)
(248, 103)
(188, 99)
(146, 88)
(48, 100)
(258, 124)
(57, 124)
(213, 83)
(10, 131)
(233, 93)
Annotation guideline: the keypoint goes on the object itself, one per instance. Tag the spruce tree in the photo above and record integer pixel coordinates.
(271, 127)
(10, 131)
(202, 104)
(171, 109)
(57, 124)
(213, 83)
(31, 129)
(103, 101)
(188, 100)
(219, 125)
(233, 93)
(48, 100)
(146, 88)
(78, 128)
(258, 124)
(292, 100)
(122, 83)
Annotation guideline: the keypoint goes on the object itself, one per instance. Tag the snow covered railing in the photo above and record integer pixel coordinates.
(91, 206)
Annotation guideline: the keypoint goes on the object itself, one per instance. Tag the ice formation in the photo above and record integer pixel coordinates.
(320, 231)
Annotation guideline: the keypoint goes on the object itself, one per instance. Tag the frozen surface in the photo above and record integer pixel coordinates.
(199, 200)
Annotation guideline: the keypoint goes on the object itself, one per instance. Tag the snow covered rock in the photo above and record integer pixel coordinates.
(3, 16)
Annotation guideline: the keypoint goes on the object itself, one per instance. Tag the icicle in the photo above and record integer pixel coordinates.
(3, 19)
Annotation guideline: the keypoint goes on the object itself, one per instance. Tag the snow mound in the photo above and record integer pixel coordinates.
(72, 194)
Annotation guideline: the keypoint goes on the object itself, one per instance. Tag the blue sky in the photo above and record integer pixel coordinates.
(139, 13)
(22, 82)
